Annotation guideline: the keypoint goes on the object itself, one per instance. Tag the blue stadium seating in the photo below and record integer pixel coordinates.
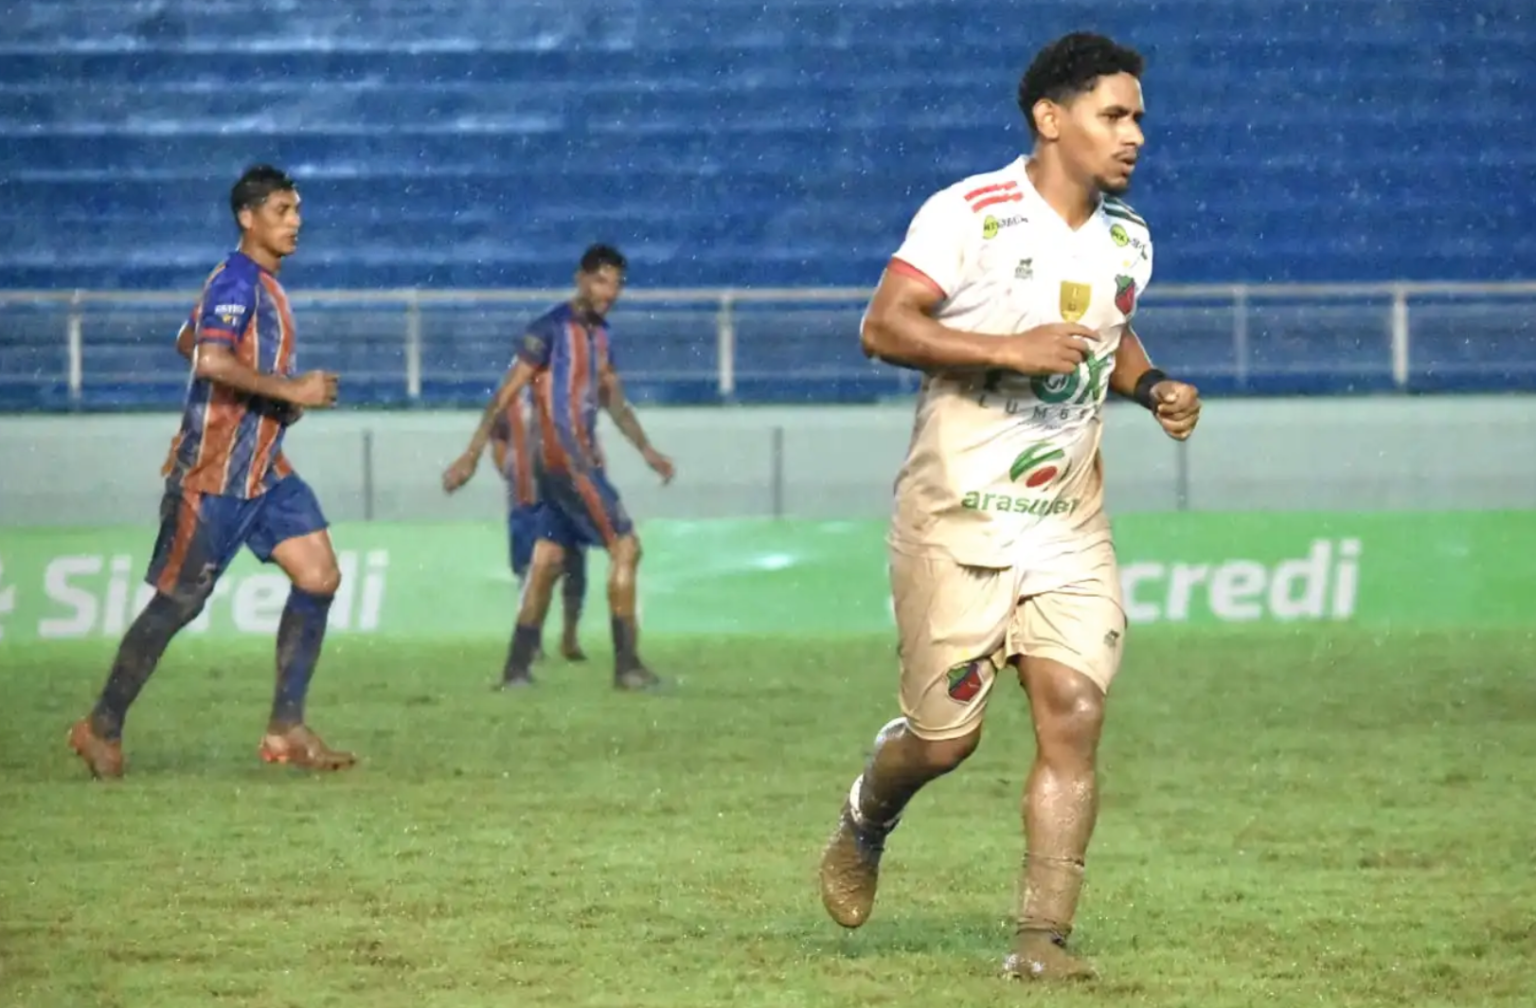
(479, 143)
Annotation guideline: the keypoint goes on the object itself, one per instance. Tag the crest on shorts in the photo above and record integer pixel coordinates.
(1074, 300)
(965, 681)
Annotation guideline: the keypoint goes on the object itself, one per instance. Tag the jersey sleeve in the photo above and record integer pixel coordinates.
(934, 246)
(223, 315)
(535, 347)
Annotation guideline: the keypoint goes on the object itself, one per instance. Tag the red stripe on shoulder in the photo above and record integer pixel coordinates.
(981, 205)
(999, 187)
(903, 268)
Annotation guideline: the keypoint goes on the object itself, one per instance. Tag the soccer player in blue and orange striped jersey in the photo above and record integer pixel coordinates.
(514, 455)
(567, 359)
(228, 485)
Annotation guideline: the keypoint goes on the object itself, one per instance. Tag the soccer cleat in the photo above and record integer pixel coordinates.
(103, 756)
(1043, 955)
(572, 652)
(300, 747)
(850, 869)
(635, 679)
(513, 679)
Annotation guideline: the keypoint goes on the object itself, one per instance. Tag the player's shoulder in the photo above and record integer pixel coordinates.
(1118, 211)
(976, 193)
(234, 271)
(551, 322)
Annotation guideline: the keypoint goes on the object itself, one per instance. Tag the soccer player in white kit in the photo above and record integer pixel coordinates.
(1013, 292)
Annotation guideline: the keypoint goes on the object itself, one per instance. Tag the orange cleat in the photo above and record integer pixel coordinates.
(299, 746)
(103, 756)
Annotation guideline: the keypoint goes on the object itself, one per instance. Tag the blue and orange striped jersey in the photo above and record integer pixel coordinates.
(230, 443)
(511, 441)
(570, 353)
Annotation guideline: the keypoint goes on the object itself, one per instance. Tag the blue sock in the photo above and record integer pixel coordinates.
(299, 637)
(137, 656)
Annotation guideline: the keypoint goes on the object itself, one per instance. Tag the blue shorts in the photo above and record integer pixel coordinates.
(581, 509)
(200, 533)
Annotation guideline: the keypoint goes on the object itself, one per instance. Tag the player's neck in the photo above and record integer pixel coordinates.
(261, 257)
(1073, 201)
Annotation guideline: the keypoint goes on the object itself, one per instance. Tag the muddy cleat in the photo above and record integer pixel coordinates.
(300, 747)
(850, 869)
(1043, 955)
(103, 756)
(636, 679)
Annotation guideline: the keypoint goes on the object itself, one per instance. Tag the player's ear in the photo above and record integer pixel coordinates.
(1047, 119)
(246, 217)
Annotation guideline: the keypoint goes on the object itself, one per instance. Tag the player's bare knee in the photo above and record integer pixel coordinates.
(938, 756)
(625, 552)
(944, 755)
(548, 562)
(323, 580)
(1068, 707)
(180, 607)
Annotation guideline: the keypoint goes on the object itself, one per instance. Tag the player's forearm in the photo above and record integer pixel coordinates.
(629, 425)
(1131, 362)
(224, 369)
(184, 341)
(908, 338)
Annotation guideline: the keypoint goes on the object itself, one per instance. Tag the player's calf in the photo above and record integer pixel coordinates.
(543, 571)
(310, 563)
(97, 739)
(1060, 809)
(629, 672)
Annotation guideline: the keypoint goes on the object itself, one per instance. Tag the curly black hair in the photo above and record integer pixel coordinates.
(1070, 66)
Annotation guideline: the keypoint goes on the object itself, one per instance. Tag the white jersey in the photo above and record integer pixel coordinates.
(1003, 469)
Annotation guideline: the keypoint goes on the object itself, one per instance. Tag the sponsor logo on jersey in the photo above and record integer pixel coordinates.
(1038, 465)
(992, 225)
(1037, 468)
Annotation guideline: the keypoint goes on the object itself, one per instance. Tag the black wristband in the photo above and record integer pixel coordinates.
(1144, 384)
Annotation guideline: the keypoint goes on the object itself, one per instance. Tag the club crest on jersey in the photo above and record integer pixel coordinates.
(1074, 300)
(1125, 295)
(1025, 270)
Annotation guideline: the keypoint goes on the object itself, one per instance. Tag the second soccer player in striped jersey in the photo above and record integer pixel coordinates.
(567, 359)
(228, 485)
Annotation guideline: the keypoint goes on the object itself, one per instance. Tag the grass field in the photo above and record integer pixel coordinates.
(1289, 818)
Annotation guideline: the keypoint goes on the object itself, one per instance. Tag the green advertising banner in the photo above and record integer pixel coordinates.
(1401, 569)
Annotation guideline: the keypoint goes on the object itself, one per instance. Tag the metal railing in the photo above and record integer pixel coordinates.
(1233, 321)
